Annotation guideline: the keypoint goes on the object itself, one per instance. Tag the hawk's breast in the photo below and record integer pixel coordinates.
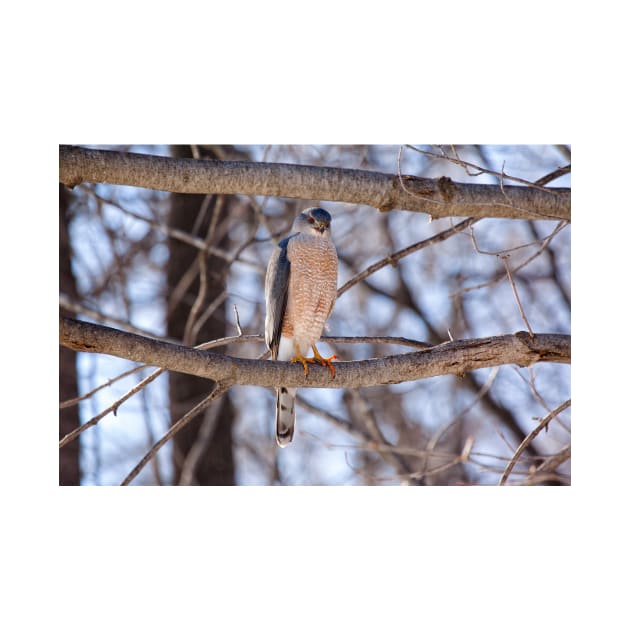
(312, 288)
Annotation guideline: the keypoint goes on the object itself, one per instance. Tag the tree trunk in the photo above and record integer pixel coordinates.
(210, 435)
(69, 471)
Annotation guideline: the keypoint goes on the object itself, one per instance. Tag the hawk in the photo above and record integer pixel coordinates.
(300, 291)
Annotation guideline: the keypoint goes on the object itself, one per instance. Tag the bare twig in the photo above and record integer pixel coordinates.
(394, 258)
(113, 407)
(209, 312)
(553, 461)
(219, 390)
(71, 402)
(518, 300)
(523, 445)
(200, 446)
(134, 390)
(435, 438)
(361, 410)
(418, 476)
(543, 247)
(150, 435)
(539, 241)
(202, 263)
(500, 176)
(331, 418)
(179, 235)
(97, 316)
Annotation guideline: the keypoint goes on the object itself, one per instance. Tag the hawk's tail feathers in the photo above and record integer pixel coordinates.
(285, 415)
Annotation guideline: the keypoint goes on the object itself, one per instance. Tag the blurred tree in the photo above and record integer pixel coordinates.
(202, 451)
(400, 276)
(69, 471)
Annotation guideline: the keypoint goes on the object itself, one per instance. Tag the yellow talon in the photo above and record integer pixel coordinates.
(298, 358)
(317, 358)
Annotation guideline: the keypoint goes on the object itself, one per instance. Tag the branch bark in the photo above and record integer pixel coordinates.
(456, 357)
(439, 198)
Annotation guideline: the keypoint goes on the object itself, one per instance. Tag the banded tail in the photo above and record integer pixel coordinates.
(285, 415)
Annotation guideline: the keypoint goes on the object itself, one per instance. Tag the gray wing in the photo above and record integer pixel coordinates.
(276, 289)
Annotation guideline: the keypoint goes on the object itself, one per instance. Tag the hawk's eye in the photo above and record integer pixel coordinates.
(311, 220)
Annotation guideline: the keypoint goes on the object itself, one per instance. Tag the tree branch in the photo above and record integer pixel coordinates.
(456, 357)
(439, 198)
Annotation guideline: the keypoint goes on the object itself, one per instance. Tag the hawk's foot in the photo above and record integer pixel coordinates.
(298, 358)
(318, 358)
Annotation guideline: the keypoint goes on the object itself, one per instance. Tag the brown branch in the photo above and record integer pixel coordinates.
(439, 198)
(456, 357)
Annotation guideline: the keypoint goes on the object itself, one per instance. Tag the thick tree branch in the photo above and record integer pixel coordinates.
(439, 198)
(457, 357)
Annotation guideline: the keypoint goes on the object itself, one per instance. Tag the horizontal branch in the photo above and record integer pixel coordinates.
(455, 357)
(439, 198)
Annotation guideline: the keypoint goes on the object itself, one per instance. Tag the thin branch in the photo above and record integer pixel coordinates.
(418, 476)
(200, 446)
(359, 409)
(395, 341)
(393, 259)
(80, 309)
(344, 425)
(539, 184)
(209, 312)
(559, 172)
(437, 436)
(219, 390)
(179, 235)
(523, 445)
(545, 243)
(516, 296)
(553, 461)
(202, 262)
(146, 415)
(139, 386)
(71, 402)
(113, 407)
(556, 267)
